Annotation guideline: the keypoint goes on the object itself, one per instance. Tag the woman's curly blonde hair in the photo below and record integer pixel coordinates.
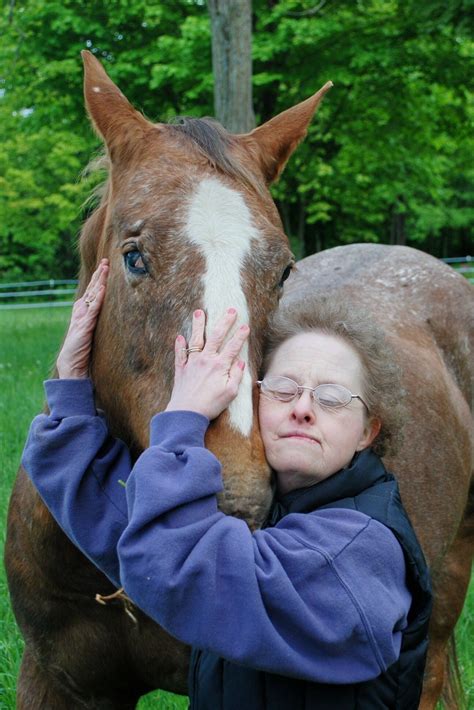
(382, 390)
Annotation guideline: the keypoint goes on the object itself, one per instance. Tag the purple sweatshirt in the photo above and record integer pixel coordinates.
(320, 596)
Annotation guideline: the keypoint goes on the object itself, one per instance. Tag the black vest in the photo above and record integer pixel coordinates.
(217, 684)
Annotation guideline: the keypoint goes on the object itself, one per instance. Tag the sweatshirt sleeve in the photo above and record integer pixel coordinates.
(80, 471)
(320, 596)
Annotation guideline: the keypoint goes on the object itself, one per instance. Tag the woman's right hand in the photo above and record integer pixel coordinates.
(73, 360)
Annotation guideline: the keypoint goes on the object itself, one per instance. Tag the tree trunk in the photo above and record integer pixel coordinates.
(231, 22)
(397, 228)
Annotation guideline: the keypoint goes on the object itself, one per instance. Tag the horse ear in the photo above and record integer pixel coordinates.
(275, 140)
(113, 116)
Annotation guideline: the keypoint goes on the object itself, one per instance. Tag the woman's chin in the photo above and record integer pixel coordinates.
(289, 480)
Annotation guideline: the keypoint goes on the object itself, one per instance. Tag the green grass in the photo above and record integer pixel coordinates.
(29, 340)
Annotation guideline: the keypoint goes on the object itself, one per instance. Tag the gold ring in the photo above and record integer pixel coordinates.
(193, 350)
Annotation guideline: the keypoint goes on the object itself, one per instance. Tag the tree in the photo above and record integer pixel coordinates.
(389, 146)
(387, 157)
(232, 63)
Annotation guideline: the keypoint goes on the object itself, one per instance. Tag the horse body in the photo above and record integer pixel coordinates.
(426, 311)
(187, 222)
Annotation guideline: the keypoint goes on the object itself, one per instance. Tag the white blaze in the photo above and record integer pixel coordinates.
(219, 222)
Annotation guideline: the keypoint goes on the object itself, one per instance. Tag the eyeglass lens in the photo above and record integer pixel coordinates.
(285, 389)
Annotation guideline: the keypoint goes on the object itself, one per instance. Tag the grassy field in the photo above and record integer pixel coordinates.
(29, 340)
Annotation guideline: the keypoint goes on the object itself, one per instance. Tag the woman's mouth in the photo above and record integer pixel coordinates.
(297, 435)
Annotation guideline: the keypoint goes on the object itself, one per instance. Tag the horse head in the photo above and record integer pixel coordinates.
(187, 221)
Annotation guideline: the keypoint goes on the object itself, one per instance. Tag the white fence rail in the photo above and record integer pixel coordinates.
(45, 293)
(463, 264)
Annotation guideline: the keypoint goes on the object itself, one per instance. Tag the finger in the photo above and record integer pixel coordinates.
(97, 301)
(97, 285)
(197, 333)
(101, 280)
(236, 374)
(235, 344)
(97, 277)
(94, 278)
(218, 335)
(180, 357)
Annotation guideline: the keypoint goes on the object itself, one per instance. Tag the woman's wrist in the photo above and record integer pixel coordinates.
(186, 406)
(71, 373)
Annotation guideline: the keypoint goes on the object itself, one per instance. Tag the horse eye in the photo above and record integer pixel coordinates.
(134, 262)
(285, 274)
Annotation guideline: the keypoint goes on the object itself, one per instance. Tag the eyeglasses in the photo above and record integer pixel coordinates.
(329, 396)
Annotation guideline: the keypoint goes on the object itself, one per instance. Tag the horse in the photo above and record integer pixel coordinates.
(187, 221)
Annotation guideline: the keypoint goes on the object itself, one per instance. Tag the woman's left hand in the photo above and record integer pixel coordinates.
(73, 360)
(207, 379)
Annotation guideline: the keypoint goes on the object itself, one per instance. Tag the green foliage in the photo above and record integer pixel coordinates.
(388, 157)
(159, 54)
(26, 358)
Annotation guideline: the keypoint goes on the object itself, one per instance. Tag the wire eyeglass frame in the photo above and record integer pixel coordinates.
(316, 392)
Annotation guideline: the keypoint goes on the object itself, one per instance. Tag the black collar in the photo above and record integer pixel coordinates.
(364, 471)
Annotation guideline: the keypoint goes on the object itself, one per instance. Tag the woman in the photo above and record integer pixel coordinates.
(327, 606)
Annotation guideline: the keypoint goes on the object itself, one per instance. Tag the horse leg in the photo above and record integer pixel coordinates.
(36, 690)
(450, 587)
(40, 689)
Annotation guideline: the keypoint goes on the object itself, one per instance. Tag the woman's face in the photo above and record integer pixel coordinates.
(304, 442)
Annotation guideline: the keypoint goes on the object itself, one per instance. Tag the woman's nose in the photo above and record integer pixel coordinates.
(303, 407)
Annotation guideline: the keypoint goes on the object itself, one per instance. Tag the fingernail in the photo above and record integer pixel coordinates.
(241, 364)
(231, 311)
(197, 314)
(244, 327)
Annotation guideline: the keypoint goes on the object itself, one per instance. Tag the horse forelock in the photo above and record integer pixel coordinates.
(219, 147)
